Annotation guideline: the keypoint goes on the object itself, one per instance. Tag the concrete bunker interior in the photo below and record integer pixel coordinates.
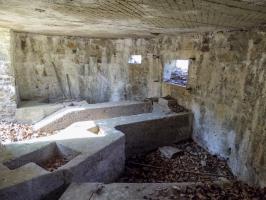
(94, 103)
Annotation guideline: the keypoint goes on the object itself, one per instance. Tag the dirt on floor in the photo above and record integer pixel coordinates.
(191, 164)
(54, 163)
(209, 191)
(14, 132)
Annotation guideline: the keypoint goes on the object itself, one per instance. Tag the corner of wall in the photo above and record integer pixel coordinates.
(8, 98)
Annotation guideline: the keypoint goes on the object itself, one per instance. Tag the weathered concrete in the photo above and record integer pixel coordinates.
(128, 191)
(31, 182)
(85, 112)
(90, 151)
(227, 87)
(99, 159)
(96, 70)
(93, 157)
(41, 155)
(7, 80)
(34, 111)
(124, 18)
(149, 131)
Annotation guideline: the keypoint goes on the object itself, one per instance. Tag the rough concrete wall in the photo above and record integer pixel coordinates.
(60, 67)
(7, 80)
(228, 94)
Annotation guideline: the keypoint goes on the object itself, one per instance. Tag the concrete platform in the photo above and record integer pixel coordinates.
(97, 151)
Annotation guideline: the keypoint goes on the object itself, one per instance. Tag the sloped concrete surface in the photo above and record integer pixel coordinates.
(35, 112)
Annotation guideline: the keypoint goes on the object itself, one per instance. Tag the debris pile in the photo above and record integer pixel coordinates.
(190, 164)
(233, 191)
(13, 132)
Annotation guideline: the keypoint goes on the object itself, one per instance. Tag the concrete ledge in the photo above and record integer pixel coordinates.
(145, 132)
(69, 115)
(128, 191)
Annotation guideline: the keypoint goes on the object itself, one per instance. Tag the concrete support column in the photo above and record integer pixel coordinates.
(7, 79)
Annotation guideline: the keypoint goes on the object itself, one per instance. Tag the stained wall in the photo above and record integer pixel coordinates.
(97, 70)
(227, 94)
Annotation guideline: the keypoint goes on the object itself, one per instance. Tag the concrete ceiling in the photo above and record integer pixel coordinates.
(122, 18)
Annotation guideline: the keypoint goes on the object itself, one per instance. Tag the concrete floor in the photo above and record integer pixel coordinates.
(127, 191)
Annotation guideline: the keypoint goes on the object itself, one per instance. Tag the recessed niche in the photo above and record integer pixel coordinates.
(49, 157)
(95, 130)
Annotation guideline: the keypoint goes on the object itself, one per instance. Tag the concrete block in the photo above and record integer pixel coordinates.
(169, 152)
(150, 134)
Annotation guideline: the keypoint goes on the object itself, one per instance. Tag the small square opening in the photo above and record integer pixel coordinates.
(176, 72)
(135, 59)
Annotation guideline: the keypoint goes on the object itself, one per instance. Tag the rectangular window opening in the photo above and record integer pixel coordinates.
(176, 72)
(134, 59)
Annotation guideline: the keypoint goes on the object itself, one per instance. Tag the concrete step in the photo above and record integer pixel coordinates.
(129, 191)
